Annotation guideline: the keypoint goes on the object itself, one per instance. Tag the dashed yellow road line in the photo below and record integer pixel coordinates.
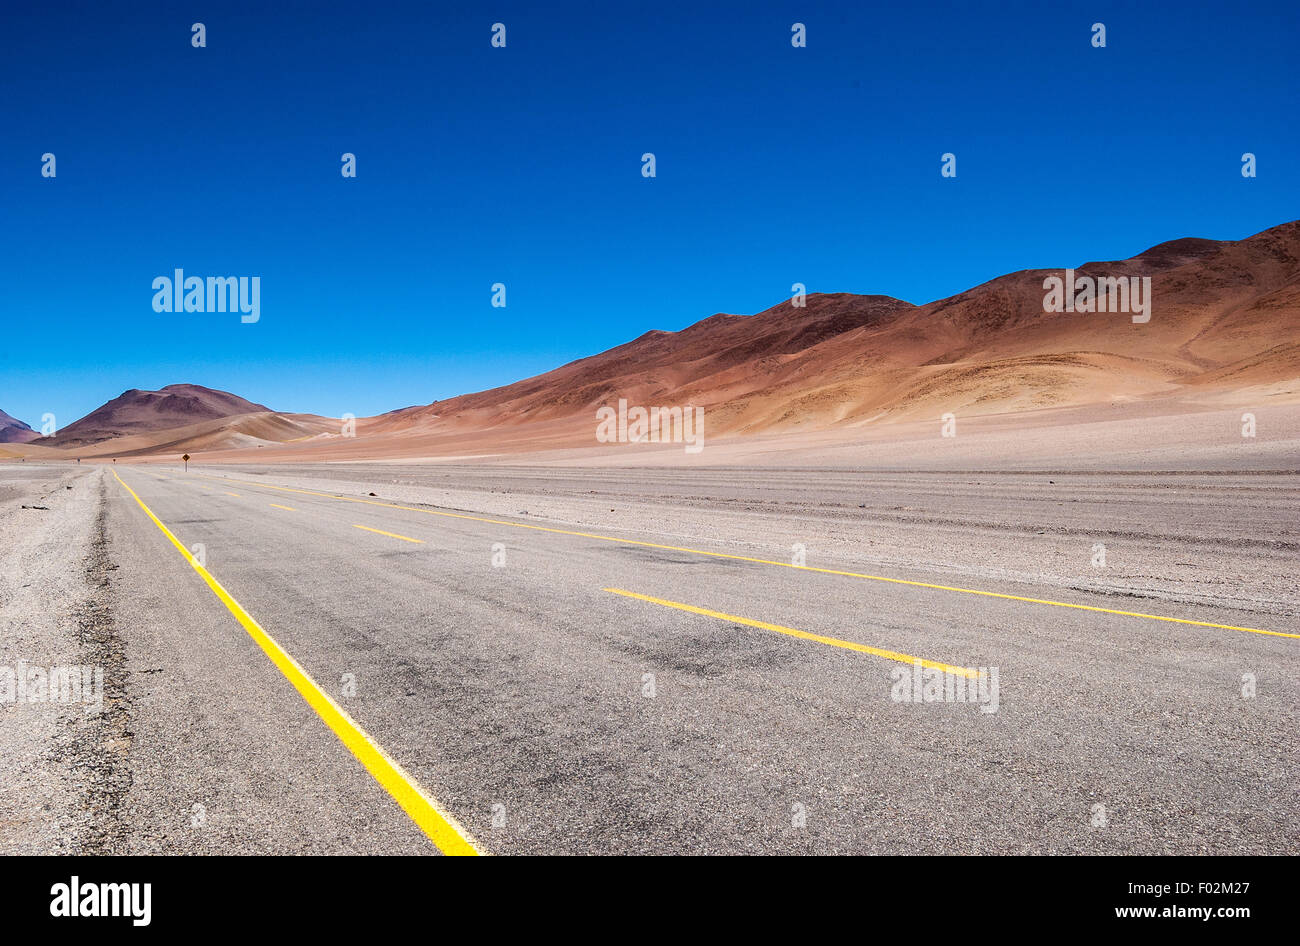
(236, 495)
(764, 561)
(285, 508)
(803, 635)
(393, 535)
(440, 827)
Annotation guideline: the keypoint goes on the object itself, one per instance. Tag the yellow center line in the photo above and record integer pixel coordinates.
(440, 827)
(804, 635)
(236, 495)
(404, 538)
(286, 508)
(764, 561)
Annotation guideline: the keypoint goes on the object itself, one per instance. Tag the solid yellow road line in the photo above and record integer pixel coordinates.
(392, 535)
(764, 561)
(438, 825)
(286, 508)
(804, 635)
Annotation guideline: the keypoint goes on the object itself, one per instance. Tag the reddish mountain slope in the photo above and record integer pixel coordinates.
(1224, 315)
(1225, 319)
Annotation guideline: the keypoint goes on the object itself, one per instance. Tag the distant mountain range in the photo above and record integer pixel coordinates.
(1224, 325)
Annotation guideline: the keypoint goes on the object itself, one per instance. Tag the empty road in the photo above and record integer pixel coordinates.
(347, 672)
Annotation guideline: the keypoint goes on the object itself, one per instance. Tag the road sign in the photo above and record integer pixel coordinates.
(186, 458)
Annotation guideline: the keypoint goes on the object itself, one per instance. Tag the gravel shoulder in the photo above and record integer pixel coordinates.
(63, 759)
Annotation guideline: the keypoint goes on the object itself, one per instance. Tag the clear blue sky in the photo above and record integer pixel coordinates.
(522, 165)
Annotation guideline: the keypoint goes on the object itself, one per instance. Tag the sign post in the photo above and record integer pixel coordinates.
(186, 458)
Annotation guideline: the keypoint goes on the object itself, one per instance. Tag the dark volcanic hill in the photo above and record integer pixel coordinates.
(12, 430)
(142, 412)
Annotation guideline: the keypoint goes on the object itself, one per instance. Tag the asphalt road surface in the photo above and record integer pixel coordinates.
(456, 677)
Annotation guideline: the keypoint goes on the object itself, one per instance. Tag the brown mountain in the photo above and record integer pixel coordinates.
(1225, 316)
(12, 430)
(138, 412)
(1223, 330)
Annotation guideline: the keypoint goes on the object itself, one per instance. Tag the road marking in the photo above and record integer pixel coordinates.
(286, 508)
(236, 495)
(804, 635)
(764, 561)
(393, 535)
(440, 827)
